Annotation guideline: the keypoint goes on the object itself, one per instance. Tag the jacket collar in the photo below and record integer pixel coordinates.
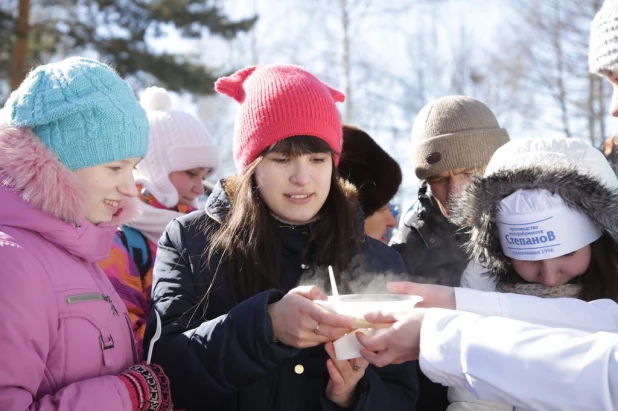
(218, 204)
(85, 240)
(427, 219)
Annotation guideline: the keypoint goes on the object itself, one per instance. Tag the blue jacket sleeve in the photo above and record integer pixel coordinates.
(209, 358)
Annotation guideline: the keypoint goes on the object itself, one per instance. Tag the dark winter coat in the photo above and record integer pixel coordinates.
(221, 356)
(433, 251)
(431, 246)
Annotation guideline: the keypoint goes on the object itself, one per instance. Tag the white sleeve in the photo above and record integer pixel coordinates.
(475, 277)
(526, 365)
(462, 400)
(598, 315)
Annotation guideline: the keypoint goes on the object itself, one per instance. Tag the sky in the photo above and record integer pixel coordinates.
(298, 32)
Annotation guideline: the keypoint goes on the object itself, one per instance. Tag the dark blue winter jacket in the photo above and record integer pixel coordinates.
(221, 356)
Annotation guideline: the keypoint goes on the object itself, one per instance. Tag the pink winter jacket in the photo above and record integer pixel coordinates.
(64, 332)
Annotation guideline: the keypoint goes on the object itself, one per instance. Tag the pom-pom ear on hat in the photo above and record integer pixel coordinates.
(277, 102)
(232, 85)
(338, 96)
(366, 165)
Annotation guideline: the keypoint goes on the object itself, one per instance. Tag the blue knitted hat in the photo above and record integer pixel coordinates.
(82, 110)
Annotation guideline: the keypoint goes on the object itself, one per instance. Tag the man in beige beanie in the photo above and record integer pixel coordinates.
(453, 137)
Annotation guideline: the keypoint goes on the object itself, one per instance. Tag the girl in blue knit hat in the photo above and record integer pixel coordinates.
(70, 137)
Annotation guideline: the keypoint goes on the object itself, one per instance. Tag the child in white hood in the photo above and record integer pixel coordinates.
(543, 222)
(169, 179)
(535, 353)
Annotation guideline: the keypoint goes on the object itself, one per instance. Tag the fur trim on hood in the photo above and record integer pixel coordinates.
(577, 175)
(28, 167)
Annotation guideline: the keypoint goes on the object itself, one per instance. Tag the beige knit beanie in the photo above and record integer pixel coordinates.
(603, 50)
(454, 132)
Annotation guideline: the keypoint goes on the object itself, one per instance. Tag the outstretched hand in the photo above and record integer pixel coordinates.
(300, 323)
(395, 345)
(401, 342)
(434, 296)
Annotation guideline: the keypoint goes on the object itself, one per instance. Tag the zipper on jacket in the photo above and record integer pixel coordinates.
(78, 298)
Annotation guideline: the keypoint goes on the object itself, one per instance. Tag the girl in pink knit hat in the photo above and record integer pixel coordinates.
(237, 332)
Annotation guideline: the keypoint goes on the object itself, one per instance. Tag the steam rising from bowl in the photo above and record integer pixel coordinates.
(357, 305)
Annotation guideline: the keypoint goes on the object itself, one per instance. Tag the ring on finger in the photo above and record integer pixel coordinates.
(316, 330)
(357, 367)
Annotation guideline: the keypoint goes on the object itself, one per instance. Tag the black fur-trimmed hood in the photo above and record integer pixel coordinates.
(570, 168)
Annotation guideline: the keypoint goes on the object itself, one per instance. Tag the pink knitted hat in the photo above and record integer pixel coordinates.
(280, 101)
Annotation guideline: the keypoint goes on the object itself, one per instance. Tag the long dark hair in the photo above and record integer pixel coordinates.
(248, 240)
(601, 278)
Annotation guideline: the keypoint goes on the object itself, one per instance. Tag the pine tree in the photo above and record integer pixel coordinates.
(120, 32)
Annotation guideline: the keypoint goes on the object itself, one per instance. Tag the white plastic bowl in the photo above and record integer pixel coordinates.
(357, 305)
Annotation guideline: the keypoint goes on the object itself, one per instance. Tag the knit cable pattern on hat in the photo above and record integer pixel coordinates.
(82, 111)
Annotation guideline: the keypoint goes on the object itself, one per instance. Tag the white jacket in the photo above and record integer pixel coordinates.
(537, 354)
(475, 277)
(461, 399)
